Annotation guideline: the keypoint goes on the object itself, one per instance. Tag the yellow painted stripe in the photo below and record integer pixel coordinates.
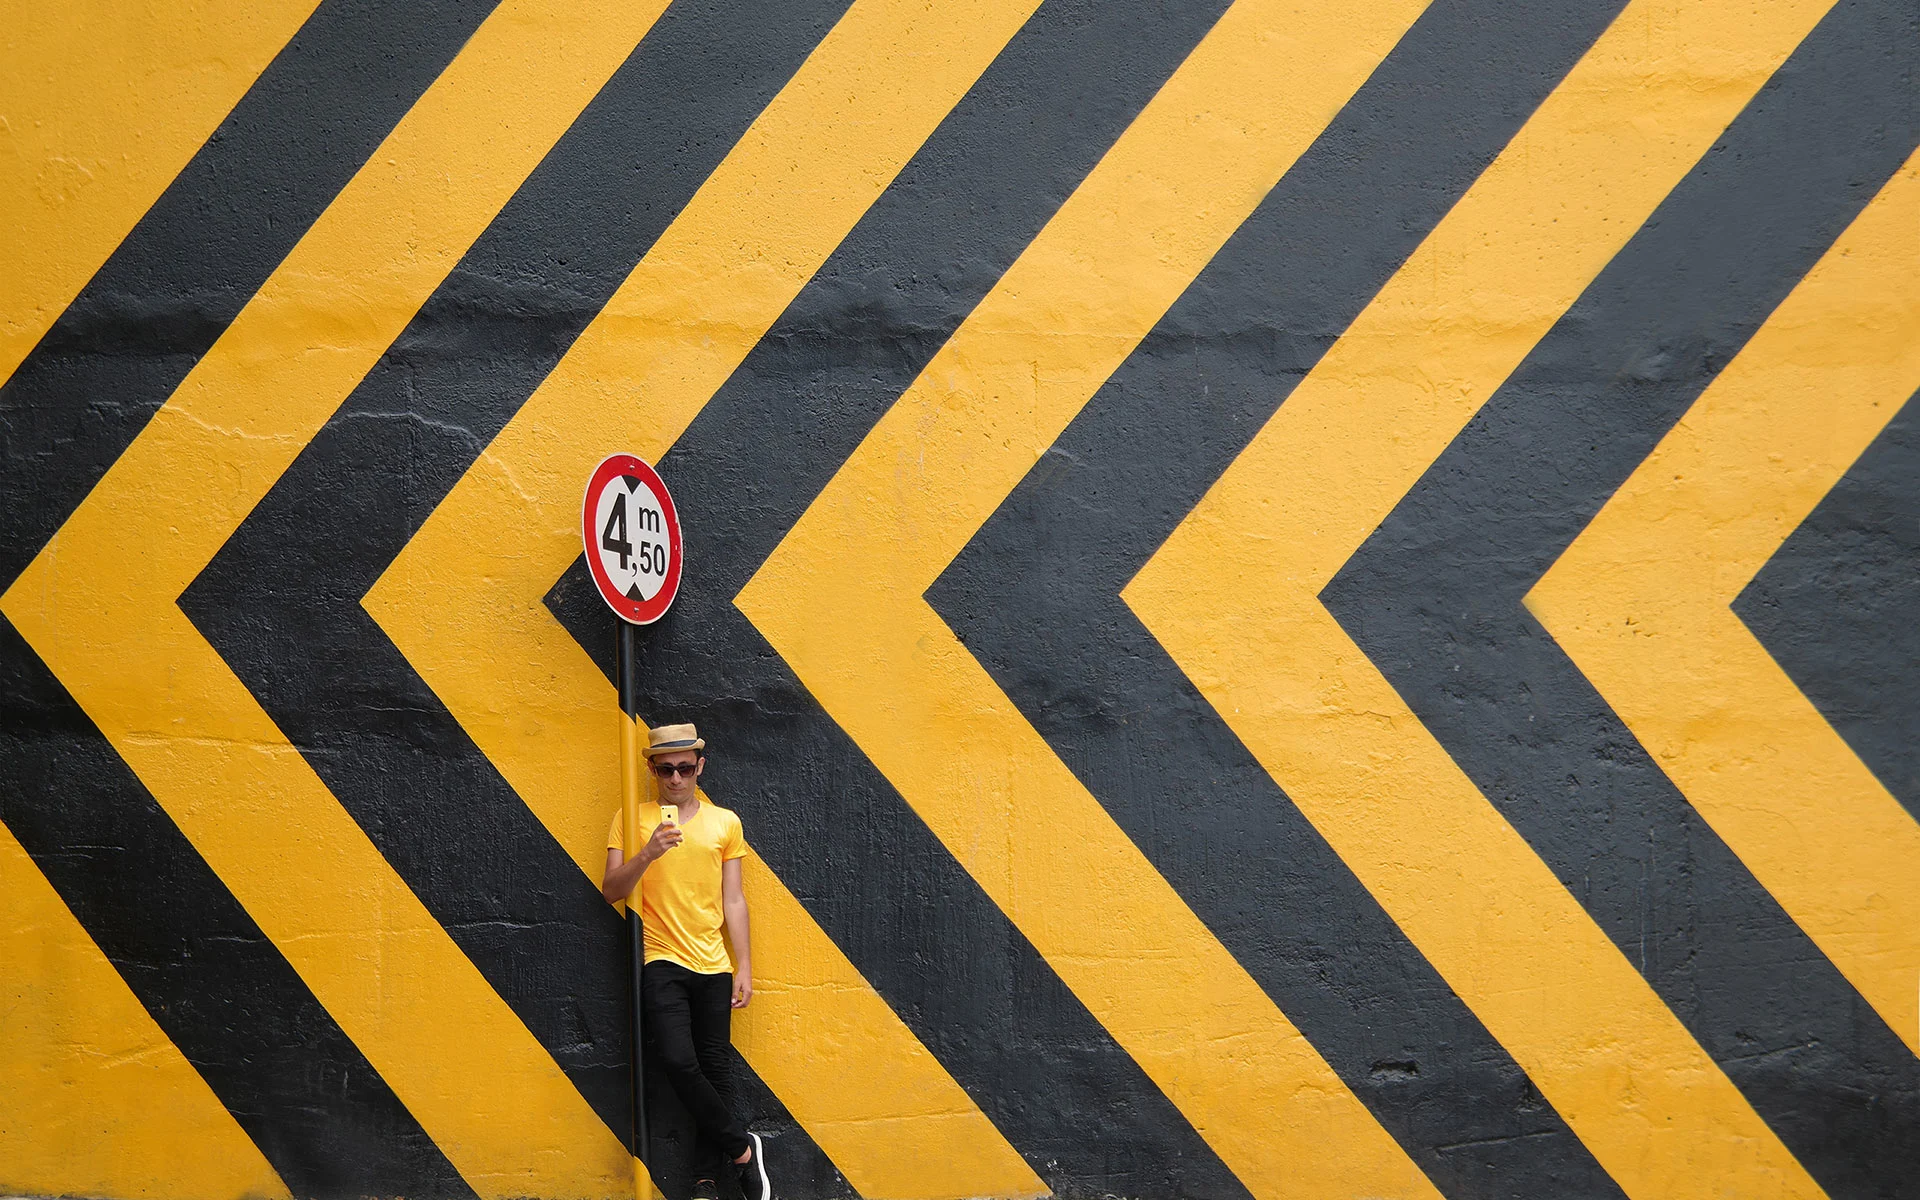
(841, 599)
(1642, 602)
(97, 1101)
(824, 150)
(102, 103)
(1233, 595)
(910, 1131)
(98, 605)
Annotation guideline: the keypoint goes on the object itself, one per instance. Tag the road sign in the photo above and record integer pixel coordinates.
(632, 535)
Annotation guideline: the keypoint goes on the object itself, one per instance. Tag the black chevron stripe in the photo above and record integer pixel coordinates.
(312, 118)
(946, 959)
(322, 1116)
(213, 982)
(1838, 607)
(280, 602)
(1435, 598)
(1036, 597)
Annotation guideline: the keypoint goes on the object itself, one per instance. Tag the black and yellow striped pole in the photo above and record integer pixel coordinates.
(627, 684)
(631, 533)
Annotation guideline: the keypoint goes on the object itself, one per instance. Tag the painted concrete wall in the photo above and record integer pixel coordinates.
(1298, 599)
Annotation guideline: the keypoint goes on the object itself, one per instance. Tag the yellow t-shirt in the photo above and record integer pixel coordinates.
(680, 910)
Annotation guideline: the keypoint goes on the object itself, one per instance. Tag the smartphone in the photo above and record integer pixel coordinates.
(670, 814)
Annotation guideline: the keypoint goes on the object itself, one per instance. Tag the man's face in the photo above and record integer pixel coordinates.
(676, 773)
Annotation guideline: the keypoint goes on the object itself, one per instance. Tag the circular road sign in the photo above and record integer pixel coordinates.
(632, 535)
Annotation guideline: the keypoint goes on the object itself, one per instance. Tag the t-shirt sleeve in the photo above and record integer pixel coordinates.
(614, 840)
(735, 845)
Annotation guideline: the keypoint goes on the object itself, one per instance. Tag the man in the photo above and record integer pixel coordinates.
(689, 876)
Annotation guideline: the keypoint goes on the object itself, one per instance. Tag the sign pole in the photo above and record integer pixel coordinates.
(631, 534)
(627, 683)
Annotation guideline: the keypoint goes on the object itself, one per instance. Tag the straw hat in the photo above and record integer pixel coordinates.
(665, 739)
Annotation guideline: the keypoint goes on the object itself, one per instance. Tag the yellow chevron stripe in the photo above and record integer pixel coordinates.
(102, 103)
(1642, 602)
(98, 605)
(532, 700)
(1233, 595)
(853, 1074)
(87, 1070)
(841, 598)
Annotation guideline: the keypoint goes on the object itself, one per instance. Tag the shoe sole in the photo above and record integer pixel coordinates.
(759, 1164)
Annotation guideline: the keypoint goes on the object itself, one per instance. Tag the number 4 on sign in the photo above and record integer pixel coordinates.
(614, 536)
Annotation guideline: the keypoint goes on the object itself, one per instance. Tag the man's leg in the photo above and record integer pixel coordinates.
(674, 995)
(710, 1004)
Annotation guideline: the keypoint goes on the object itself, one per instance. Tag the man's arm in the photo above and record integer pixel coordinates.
(622, 877)
(734, 901)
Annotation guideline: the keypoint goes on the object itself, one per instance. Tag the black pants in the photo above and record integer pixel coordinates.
(690, 1018)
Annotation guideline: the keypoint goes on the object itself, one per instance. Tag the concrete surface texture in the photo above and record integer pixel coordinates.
(1298, 599)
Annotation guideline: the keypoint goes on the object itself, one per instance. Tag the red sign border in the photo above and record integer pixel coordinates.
(640, 612)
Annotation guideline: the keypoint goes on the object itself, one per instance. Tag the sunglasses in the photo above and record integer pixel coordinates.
(669, 770)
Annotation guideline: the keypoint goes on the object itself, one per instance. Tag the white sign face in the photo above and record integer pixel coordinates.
(632, 538)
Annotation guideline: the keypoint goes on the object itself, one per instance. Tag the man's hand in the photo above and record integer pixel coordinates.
(665, 837)
(742, 988)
